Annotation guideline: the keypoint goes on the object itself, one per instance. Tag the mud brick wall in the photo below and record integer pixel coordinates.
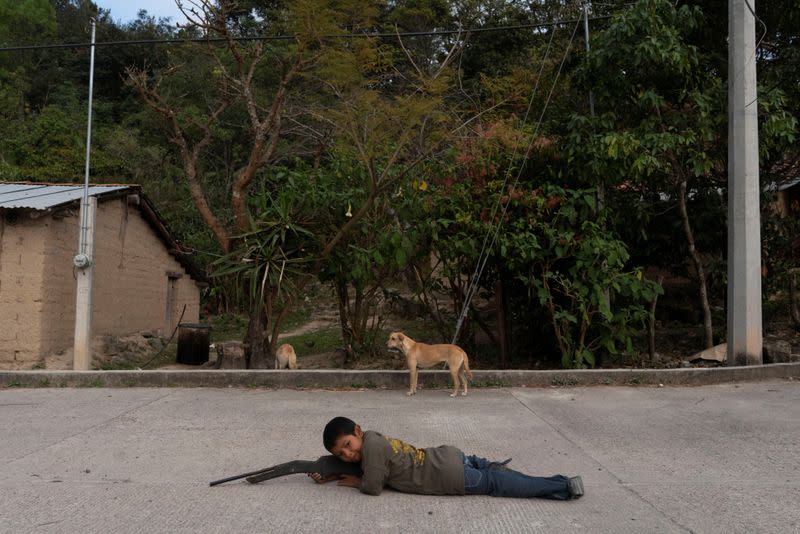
(133, 272)
(21, 274)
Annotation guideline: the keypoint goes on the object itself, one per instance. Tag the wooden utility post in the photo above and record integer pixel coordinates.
(744, 222)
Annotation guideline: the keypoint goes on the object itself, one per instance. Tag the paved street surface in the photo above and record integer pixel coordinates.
(718, 458)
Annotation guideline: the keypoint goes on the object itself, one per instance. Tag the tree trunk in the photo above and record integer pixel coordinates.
(502, 323)
(256, 340)
(231, 355)
(794, 297)
(652, 336)
(343, 299)
(698, 264)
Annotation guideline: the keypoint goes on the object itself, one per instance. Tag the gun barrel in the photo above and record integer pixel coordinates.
(237, 477)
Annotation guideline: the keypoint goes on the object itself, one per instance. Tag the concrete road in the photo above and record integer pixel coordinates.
(720, 458)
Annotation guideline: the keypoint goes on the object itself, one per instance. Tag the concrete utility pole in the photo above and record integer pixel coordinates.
(600, 192)
(744, 221)
(588, 49)
(84, 260)
(84, 263)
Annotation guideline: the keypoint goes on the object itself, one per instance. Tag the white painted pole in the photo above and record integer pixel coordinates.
(84, 260)
(744, 222)
(588, 49)
(83, 304)
(84, 226)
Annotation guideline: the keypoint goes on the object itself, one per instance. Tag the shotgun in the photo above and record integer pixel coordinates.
(326, 466)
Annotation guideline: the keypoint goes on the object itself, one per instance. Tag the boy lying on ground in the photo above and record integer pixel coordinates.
(443, 470)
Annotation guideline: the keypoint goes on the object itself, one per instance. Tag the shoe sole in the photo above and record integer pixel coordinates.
(575, 485)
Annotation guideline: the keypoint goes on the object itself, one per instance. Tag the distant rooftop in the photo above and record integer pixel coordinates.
(41, 196)
(44, 196)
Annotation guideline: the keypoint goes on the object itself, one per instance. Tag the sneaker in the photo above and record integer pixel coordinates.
(575, 485)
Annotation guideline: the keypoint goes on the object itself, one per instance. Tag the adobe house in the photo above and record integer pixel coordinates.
(785, 188)
(787, 197)
(142, 277)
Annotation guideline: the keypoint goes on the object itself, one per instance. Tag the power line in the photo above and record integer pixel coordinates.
(210, 40)
(475, 279)
(482, 260)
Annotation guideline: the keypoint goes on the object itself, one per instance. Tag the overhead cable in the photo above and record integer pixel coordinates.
(373, 35)
(482, 261)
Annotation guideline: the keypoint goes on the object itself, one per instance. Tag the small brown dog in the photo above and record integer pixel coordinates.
(285, 357)
(424, 355)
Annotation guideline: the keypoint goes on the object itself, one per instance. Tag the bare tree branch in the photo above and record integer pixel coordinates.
(190, 154)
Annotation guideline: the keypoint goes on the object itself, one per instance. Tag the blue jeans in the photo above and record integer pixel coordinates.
(482, 477)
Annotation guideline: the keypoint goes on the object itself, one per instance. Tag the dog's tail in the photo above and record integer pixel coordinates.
(466, 367)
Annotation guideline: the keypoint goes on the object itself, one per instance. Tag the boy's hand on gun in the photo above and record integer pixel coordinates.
(320, 480)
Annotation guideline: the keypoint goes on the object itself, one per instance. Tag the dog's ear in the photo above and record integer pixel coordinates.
(400, 336)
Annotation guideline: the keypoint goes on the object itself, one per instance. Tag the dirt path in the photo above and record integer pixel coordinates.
(311, 326)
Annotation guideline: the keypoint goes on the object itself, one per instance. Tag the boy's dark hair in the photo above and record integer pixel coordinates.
(336, 428)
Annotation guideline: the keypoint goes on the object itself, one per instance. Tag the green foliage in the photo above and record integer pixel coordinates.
(780, 245)
(373, 175)
(227, 327)
(777, 126)
(322, 340)
(376, 248)
(577, 271)
(25, 21)
(660, 117)
(268, 259)
(377, 244)
(551, 245)
(48, 147)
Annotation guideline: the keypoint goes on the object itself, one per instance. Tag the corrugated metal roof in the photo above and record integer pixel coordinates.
(44, 196)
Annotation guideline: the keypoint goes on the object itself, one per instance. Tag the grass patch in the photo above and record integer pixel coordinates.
(299, 316)
(491, 383)
(565, 381)
(424, 331)
(233, 326)
(227, 326)
(324, 340)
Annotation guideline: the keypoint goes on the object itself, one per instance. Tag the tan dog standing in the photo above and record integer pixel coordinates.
(424, 355)
(285, 357)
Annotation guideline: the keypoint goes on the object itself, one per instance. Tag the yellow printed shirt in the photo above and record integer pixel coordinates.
(392, 462)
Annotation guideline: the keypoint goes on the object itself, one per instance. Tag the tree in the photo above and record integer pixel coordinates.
(239, 69)
(578, 271)
(347, 70)
(660, 115)
(374, 252)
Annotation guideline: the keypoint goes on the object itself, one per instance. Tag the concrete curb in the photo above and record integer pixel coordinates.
(346, 379)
